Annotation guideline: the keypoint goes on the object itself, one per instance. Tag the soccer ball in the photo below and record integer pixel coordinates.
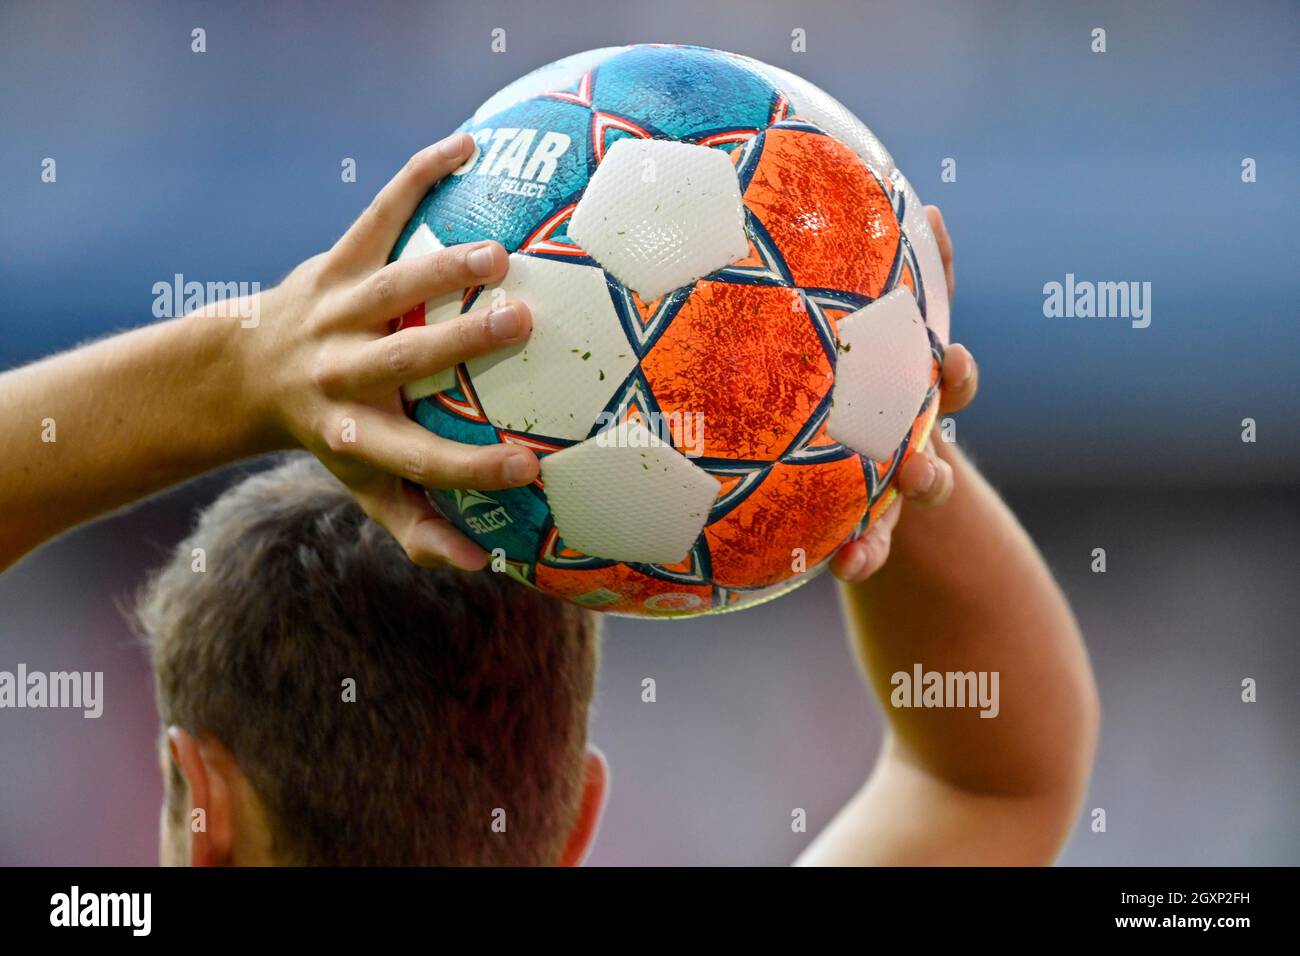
(739, 312)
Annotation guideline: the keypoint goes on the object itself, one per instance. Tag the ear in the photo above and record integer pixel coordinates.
(202, 764)
(595, 787)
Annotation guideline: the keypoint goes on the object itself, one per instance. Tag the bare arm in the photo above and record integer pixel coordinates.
(91, 430)
(307, 364)
(963, 590)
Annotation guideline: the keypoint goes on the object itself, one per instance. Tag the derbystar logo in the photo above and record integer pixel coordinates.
(523, 159)
(482, 522)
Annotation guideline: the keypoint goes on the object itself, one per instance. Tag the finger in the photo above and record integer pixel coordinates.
(388, 363)
(940, 229)
(371, 237)
(400, 447)
(427, 537)
(849, 560)
(404, 284)
(925, 479)
(863, 557)
(960, 379)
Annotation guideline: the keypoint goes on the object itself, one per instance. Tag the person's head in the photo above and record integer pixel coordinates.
(326, 701)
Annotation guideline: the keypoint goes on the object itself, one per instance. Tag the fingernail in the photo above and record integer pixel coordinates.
(480, 261)
(504, 321)
(931, 476)
(453, 145)
(970, 371)
(518, 468)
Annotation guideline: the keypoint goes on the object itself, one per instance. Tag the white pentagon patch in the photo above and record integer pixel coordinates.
(916, 225)
(439, 309)
(659, 215)
(882, 375)
(558, 381)
(626, 495)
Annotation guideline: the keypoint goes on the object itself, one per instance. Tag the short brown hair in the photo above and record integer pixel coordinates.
(472, 690)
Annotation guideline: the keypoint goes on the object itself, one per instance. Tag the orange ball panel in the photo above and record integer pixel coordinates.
(748, 358)
(752, 545)
(826, 212)
(637, 593)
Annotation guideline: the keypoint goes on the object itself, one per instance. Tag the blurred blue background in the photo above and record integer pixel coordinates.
(1115, 167)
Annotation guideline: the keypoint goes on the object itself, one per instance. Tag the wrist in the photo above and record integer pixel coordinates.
(232, 388)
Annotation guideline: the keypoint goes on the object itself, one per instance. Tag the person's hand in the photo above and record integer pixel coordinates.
(926, 479)
(326, 373)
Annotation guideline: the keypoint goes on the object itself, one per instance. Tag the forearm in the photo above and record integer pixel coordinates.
(90, 430)
(965, 590)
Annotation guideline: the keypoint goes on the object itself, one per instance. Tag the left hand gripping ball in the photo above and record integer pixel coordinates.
(739, 313)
